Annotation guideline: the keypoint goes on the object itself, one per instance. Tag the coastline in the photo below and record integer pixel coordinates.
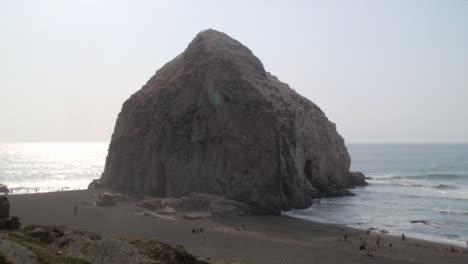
(267, 239)
(376, 229)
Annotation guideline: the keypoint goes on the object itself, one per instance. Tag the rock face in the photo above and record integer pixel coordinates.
(212, 120)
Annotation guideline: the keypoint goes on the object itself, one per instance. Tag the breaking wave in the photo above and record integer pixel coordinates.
(451, 212)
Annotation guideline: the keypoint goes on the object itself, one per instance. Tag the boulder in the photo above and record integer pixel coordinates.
(171, 201)
(211, 203)
(106, 199)
(357, 178)
(37, 232)
(14, 223)
(196, 215)
(96, 184)
(4, 207)
(4, 189)
(120, 197)
(213, 121)
(167, 211)
(151, 203)
(425, 222)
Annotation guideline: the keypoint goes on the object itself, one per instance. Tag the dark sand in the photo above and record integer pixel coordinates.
(268, 239)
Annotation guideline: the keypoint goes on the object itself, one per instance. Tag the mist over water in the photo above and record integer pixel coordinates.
(48, 167)
(409, 183)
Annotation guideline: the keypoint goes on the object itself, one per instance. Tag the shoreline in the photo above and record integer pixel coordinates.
(438, 240)
(267, 239)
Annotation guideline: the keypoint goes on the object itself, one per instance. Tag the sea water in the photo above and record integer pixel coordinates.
(408, 182)
(48, 167)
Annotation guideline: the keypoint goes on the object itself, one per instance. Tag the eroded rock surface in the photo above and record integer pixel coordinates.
(212, 120)
(53, 244)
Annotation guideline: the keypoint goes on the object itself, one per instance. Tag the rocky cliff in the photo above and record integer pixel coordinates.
(213, 120)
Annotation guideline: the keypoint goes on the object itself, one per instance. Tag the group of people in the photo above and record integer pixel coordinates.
(197, 230)
(363, 242)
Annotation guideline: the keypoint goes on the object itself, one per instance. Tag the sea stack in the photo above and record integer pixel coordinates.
(212, 120)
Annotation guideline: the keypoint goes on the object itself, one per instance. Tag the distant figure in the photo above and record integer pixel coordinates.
(390, 245)
(378, 240)
(193, 231)
(368, 232)
(362, 245)
(201, 230)
(403, 236)
(75, 209)
(346, 237)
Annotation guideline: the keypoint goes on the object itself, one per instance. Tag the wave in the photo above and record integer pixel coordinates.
(439, 176)
(414, 184)
(451, 212)
(444, 187)
(424, 195)
(430, 176)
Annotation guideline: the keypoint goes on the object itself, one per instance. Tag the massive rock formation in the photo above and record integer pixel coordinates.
(213, 120)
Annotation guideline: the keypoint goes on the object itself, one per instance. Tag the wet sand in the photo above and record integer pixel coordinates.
(267, 239)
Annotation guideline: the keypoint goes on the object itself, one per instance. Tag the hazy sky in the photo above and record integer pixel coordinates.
(383, 71)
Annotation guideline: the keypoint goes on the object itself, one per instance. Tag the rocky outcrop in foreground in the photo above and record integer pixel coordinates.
(56, 245)
(212, 120)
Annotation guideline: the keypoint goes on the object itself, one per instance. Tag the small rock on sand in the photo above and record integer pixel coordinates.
(167, 211)
(196, 215)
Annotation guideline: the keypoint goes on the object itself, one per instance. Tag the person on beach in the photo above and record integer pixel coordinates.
(362, 245)
(75, 209)
(346, 237)
(403, 236)
(378, 240)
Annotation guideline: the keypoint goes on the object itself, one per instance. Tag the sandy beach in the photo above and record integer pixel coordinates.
(267, 239)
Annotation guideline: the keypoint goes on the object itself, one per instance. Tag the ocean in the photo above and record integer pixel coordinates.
(410, 182)
(49, 167)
